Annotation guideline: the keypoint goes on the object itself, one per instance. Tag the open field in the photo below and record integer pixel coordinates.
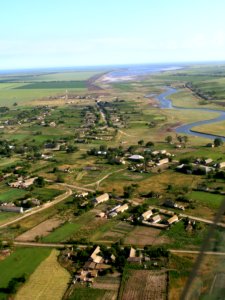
(202, 287)
(210, 200)
(21, 261)
(82, 293)
(11, 195)
(143, 284)
(49, 281)
(143, 235)
(112, 231)
(40, 230)
(216, 128)
(180, 238)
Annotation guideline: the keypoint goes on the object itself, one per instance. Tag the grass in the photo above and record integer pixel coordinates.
(49, 281)
(5, 216)
(212, 201)
(11, 195)
(46, 194)
(62, 233)
(54, 85)
(216, 128)
(21, 261)
(14, 79)
(183, 239)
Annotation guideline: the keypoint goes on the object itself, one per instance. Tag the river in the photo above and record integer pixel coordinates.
(166, 103)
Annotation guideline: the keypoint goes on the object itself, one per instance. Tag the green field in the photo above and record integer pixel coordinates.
(11, 195)
(62, 233)
(182, 239)
(48, 76)
(21, 261)
(54, 85)
(210, 200)
(49, 280)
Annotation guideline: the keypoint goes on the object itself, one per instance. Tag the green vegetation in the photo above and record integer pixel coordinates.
(210, 200)
(184, 239)
(62, 233)
(54, 85)
(11, 195)
(23, 261)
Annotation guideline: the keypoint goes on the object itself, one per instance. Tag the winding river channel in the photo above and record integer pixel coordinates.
(166, 103)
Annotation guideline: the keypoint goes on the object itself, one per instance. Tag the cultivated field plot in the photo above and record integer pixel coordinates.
(111, 283)
(21, 261)
(112, 232)
(142, 236)
(40, 230)
(144, 285)
(49, 281)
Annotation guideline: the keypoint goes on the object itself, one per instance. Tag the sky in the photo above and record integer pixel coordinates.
(61, 33)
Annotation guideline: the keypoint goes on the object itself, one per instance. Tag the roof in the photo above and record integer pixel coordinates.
(10, 208)
(147, 214)
(122, 208)
(136, 157)
(102, 198)
(172, 219)
(132, 252)
(95, 257)
(156, 218)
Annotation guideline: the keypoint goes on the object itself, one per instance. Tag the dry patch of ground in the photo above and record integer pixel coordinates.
(145, 284)
(40, 230)
(49, 281)
(143, 235)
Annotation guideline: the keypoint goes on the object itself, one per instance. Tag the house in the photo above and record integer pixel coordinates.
(100, 215)
(154, 153)
(132, 256)
(207, 161)
(21, 183)
(132, 252)
(104, 197)
(163, 161)
(146, 215)
(172, 220)
(52, 124)
(81, 195)
(11, 208)
(112, 214)
(162, 151)
(156, 219)
(122, 208)
(136, 157)
(95, 257)
(221, 165)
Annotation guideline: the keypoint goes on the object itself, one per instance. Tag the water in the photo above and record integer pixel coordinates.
(166, 103)
(132, 71)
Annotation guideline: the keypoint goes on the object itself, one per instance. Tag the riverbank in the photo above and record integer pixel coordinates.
(166, 103)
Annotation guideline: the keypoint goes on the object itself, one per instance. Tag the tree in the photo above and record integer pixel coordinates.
(141, 142)
(185, 139)
(169, 139)
(39, 182)
(71, 149)
(218, 142)
(149, 144)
